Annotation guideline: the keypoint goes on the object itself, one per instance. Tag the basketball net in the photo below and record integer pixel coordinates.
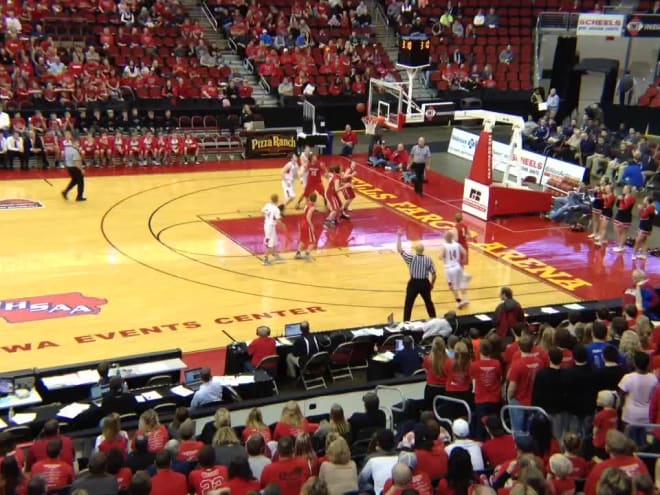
(370, 124)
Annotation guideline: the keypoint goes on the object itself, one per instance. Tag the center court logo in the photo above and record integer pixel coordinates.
(49, 307)
(19, 204)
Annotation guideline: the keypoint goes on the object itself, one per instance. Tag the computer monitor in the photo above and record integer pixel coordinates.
(6, 385)
(398, 345)
(96, 392)
(193, 375)
(292, 330)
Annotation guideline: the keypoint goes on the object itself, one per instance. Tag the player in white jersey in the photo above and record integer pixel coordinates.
(289, 174)
(272, 220)
(453, 256)
(305, 158)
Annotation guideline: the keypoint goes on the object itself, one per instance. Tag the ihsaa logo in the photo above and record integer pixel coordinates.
(475, 195)
(48, 307)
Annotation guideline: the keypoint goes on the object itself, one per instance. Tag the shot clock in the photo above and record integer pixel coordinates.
(414, 51)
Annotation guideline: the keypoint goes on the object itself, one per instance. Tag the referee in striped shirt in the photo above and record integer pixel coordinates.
(421, 268)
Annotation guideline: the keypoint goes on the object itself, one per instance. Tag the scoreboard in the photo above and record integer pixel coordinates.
(414, 51)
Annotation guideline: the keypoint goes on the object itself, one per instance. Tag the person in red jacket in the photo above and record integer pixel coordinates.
(349, 141)
(616, 445)
(166, 481)
(289, 472)
(508, 313)
(55, 471)
(261, 347)
(241, 481)
(50, 431)
(521, 381)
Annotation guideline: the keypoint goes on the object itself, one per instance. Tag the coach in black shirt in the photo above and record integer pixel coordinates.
(421, 268)
(303, 348)
(371, 418)
(117, 400)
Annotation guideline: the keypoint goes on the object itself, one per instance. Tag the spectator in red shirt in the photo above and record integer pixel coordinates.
(116, 466)
(434, 364)
(292, 422)
(254, 425)
(289, 472)
(521, 380)
(560, 480)
(508, 313)
(264, 345)
(56, 472)
(457, 369)
(431, 456)
(501, 446)
(12, 479)
(208, 475)
(616, 445)
(150, 427)
(403, 478)
(349, 140)
(487, 376)
(50, 431)
(8, 449)
(572, 449)
(189, 447)
(605, 420)
(241, 481)
(112, 436)
(166, 481)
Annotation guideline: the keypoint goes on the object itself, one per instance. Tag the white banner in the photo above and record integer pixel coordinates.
(600, 25)
(475, 199)
(463, 144)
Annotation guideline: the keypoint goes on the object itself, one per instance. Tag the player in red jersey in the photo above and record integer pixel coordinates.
(647, 215)
(88, 148)
(462, 235)
(50, 144)
(176, 148)
(119, 146)
(332, 196)
(306, 233)
(160, 149)
(104, 145)
(132, 149)
(348, 192)
(190, 149)
(314, 170)
(147, 145)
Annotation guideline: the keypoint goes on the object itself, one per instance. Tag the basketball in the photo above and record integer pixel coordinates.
(380, 120)
(360, 107)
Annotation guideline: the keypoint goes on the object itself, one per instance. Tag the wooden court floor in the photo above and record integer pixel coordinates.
(167, 260)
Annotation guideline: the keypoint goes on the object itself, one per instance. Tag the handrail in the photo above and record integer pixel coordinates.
(232, 44)
(452, 400)
(396, 390)
(509, 407)
(645, 426)
(209, 16)
(264, 84)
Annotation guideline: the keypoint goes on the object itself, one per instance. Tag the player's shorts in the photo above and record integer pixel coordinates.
(270, 237)
(311, 187)
(306, 234)
(455, 277)
(333, 202)
(349, 193)
(289, 190)
(193, 148)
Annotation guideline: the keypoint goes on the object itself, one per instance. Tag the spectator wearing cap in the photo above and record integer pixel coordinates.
(97, 481)
(430, 453)
(500, 447)
(406, 474)
(461, 430)
(616, 445)
(38, 451)
(289, 472)
(372, 417)
(580, 393)
(264, 345)
(339, 472)
(548, 392)
(378, 467)
(560, 479)
(209, 391)
(166, 481)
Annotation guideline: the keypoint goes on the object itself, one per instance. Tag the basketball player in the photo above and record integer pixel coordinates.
(332, 200)
(119, 147)
(306, 233)
(147, 149)
(462, 235)
(132, 150)
(315, 170)
(348, 191)
(104, 144)
(647, 215)
(190, 149)
(453, 255)
(272, 219)
(88, 150)
(289, 174)
(175, 149)
(303, 161)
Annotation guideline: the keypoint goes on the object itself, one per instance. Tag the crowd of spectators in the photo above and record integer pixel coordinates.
(624, 155)
(126, 48)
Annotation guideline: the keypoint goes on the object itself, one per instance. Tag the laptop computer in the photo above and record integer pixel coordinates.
(96, 393)
(398, 345)
(192, 378)
(292, 330)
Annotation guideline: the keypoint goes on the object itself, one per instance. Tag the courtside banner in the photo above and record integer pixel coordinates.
(265, 144)
(600, 25)
(540, 168)
(643, 26)
(475, 199)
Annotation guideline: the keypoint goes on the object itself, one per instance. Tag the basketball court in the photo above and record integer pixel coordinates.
(165, 258)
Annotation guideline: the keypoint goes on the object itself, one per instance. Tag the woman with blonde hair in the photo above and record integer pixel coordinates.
(547, 339)
(149, 426)
(254, 424)
(292, 422)
(303, 448)
(227, 446)
(112, 436)
(459, 383)
(434, 364)
(628, 346)
(339, 472)
(220, 418)
(338, 422)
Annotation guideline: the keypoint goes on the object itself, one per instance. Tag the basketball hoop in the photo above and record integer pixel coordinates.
(370, 123)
